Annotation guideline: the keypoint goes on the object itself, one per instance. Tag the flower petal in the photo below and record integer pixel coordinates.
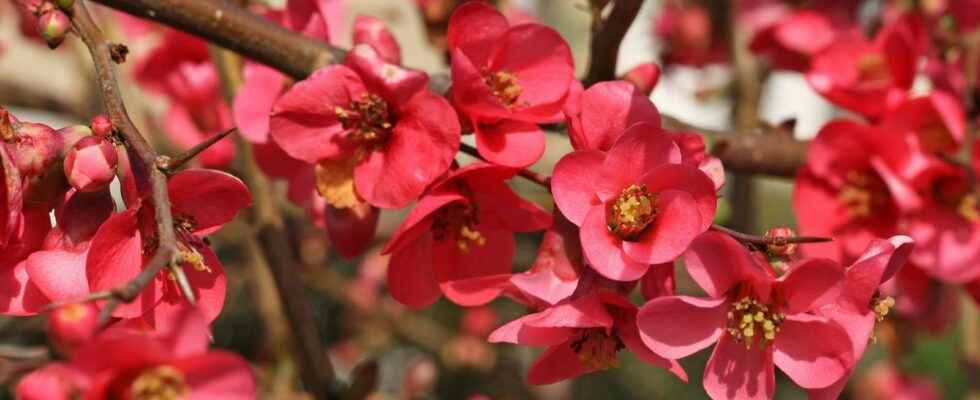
(554, 365)
(410, 277)
(734, 372)
(677, 326)
(573, 183)
(676, 225)
(604, 251)
(688, 179)
(811, 284)
(812, 351)
(254, 100)
(510, 143)
(639, 150)
(217, 375)
(115, 257)
(474, 28)
(210, 197)
(717, 262)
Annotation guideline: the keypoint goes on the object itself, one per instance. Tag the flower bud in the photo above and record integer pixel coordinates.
(779, 247)
(34, 147)
(91, 164)
(71, 135)
(101, 125)
(72, 325)
(644, 77)
(53, 27)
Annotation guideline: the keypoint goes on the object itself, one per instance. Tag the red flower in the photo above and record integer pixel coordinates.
(925, 128)
(863, 76)
(924, 302)
(461, 229)
(600, 114)
(852, 196)
(180, 68)
(637, 205)
(371, 127)
(202, 201)
(583, 335)
(860, 303)
(506, 79)
(792, 40)
(687, 33)
(759, 321)
(126, 364)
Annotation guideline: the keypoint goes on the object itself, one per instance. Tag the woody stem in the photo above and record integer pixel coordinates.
(171, 165)
(540, 179)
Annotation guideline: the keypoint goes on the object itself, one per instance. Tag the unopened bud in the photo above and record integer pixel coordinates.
(53, 27)
(73, 325)
(90, 165)
(778, 241)
(71, 135)
(101, 125)
(644, 77)
(34, 147)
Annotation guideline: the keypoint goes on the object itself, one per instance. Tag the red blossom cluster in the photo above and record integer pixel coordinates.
(632, 199)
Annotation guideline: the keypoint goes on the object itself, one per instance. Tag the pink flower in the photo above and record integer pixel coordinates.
(370, 126)
(758, 321)
(852, 196)
(90, 164)
(180, 69)
(125, 364)
(262, 85)
(463, 228)
(790, 42)
(864, 76)
(644, 76)
(860, 303)
(885, 381)
(506, 79)
(923, 302)
(925, 128)
(602, 113)
(636, 205)
(582, 335)
(201, 201)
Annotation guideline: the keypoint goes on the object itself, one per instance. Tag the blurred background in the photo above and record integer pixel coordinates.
(441, 352)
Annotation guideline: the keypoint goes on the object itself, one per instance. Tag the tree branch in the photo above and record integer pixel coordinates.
(171, 165)
(607, 34)
(101, 51)
(228, 25)
(534, 177)
(763, 241)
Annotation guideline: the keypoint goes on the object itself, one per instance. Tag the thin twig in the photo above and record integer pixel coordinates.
(171, 165)
(102, 57)
(607, 34)
(540, 179)
(763, 241)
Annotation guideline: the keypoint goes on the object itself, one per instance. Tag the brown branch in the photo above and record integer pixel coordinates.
(766, 152)
(102, 57)
(534, 177)
(171, 165)
(763, 241)
(228, 25)
(607, 34)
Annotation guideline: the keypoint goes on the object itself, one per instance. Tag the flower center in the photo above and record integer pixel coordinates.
(504, 85)
(597, 349)
(160, 383)
(881, 307)
(458, 222)
(368, 119)
(956, 193)
(862, 193)
(751, 321)
(873, 70)
(631, 212)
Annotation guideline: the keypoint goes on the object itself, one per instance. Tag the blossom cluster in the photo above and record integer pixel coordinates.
(631, 200)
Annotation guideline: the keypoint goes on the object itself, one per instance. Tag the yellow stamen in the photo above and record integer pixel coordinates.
(160, 383)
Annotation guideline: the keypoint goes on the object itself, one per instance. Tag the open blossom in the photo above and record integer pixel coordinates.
(463, 228)
(582, 335)
(861, 304)
(852, 196)
(507, 79)
(636, 205)
(792, 40)
(759, 321)
(372, 129)
(866, 76)
(201, 202)
(925, 128)
(122, 363)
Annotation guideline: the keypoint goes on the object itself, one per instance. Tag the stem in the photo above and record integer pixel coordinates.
(101, 51)
(230, 26)
(762, 241)
(606, 37)
(171, 165)
(540, 179)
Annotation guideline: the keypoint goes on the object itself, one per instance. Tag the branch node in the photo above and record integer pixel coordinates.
(118, 52)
